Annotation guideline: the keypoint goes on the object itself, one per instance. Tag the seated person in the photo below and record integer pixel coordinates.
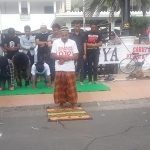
(6, 73)
(41, 69)
(21, 68)
(111, 68)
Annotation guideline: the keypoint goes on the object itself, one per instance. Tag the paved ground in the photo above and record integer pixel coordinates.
(116, 125)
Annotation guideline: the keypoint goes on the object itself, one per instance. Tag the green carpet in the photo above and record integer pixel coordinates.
(42, 89)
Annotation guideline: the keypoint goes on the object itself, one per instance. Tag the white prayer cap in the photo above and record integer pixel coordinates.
(43, 26)
(64, 28)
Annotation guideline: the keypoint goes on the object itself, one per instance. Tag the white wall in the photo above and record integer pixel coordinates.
(9, 7)
(35, 7)
(38, 8)
(35, 21)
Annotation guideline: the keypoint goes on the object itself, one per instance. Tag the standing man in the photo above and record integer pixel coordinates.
(51, 39)
(28, 44)
(65, 52)
(94, 41)
(11, 43)
(43, 52)
(1, 46)
(80, 40)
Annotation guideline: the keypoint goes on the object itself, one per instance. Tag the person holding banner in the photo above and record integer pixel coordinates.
(94, 41)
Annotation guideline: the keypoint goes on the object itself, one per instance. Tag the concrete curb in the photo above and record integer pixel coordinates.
(82, 104)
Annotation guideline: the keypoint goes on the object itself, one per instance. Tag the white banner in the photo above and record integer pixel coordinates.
(115, 53)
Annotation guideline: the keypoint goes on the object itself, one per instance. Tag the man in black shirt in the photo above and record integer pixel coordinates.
(80, 40)
(43, 49)
(22, 68)
(11, 43)
(94, 41)
(51, 39)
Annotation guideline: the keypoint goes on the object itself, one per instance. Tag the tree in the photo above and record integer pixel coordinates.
(139, 25)
(95, 6)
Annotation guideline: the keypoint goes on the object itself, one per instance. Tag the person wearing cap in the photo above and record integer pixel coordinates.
(114, 40)
(80, 40)
(65, 52)
(40, 69)
(43, 53)
(51, 39)
(109, 68)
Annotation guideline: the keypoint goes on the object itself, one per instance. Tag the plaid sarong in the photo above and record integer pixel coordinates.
(65, 87)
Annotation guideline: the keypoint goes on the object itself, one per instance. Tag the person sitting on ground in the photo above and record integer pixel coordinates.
(110, 68)
(21, 68)
(6, 73)
(41, 69)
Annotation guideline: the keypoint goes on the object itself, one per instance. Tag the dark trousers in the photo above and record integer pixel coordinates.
(52, 68)
(22, 74)
(85, 68)
(93, 59)
(80, 68)
(3, 82)
(31, 58)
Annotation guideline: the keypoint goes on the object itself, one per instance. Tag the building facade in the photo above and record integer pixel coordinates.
(18, 13)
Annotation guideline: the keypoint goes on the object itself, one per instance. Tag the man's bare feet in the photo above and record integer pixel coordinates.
(74, 106)
(11, 88)
(81, 83)
(53, 83)
(90, 82)
(1, 89)
(96, 82)
(77, 76)
(49, 86)
(60, 106)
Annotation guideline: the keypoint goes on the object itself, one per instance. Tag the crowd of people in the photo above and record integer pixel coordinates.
(57, 55)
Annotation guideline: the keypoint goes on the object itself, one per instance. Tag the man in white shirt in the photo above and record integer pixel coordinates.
(41, 69)
(65, 51)
(28, 44)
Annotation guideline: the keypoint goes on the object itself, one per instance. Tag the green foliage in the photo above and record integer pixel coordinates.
(109, 3)
(145, 4)
(94, 3)
(139, 25)
(76, 5)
